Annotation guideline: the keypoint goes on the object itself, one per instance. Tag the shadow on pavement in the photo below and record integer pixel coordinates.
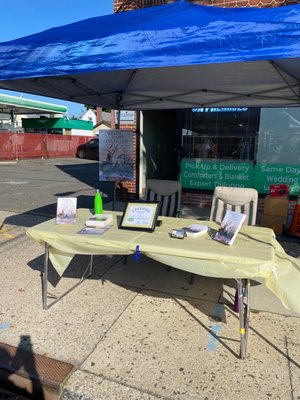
(76, 267)
(87, 173)
(153, 280)
(213, 297)
(18, 373)
(283, 352)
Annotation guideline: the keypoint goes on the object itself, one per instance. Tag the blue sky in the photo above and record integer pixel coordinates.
(21, 18)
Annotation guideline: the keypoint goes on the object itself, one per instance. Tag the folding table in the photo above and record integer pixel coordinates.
(254, 254)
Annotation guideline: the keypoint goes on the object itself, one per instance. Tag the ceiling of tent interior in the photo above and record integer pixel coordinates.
(179, 55)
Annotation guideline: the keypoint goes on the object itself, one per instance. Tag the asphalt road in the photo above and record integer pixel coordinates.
(32, 186)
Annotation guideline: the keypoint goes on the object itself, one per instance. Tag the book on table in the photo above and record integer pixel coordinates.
(100, 221)
(195, 230)
(230, 226)
(88, 230)
(66, 210)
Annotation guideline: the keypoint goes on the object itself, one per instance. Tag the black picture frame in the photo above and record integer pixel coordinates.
(140, 215)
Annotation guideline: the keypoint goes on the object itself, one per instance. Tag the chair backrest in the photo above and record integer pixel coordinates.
(242, 200)
(168, 193)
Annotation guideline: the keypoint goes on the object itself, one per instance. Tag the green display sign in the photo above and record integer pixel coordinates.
(197, 174)
(277, 174)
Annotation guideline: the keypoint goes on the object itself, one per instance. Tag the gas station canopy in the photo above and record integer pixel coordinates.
(19, 105)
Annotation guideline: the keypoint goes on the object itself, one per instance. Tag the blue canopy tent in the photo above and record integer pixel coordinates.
(178, 55)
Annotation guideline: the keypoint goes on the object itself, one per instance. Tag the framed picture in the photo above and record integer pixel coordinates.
(140, 215)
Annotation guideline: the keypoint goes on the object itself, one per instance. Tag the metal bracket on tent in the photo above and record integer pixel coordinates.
(279, 69)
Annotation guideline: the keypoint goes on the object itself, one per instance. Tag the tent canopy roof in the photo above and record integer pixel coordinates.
(179, 55)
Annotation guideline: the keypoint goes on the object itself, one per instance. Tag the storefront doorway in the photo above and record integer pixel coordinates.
(160, 145)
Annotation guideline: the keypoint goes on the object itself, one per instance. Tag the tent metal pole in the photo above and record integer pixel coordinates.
(119, 119)
(115, 189)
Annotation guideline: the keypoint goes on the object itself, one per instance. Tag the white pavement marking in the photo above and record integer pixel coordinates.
(15, 182)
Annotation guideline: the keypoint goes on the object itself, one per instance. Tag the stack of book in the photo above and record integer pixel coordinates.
(99, 222)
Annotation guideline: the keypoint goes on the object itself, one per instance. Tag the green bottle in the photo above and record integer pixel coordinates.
(98, 206)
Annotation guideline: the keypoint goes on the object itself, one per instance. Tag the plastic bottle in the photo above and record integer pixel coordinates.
(98, 206)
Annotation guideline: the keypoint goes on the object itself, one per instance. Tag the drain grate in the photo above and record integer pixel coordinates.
(27, 375)
(4, 395)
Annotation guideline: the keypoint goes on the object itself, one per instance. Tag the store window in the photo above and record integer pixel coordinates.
(279, 136)
(220, 133)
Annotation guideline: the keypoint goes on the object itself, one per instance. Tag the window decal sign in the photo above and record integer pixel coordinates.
(276, 174)
(206, 175)
(197, 174)
(219, 109)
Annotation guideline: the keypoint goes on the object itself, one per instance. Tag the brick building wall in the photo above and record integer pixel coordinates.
(204, 200)
(126, 5)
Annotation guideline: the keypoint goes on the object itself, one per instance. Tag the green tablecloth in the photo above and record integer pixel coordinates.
(254, 254)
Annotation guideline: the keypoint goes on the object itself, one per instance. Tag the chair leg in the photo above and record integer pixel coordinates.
(192, 276)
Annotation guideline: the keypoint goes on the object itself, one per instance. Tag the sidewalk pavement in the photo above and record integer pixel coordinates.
(139, 331)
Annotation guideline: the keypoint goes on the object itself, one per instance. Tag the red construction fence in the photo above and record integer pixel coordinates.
(35, 145)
